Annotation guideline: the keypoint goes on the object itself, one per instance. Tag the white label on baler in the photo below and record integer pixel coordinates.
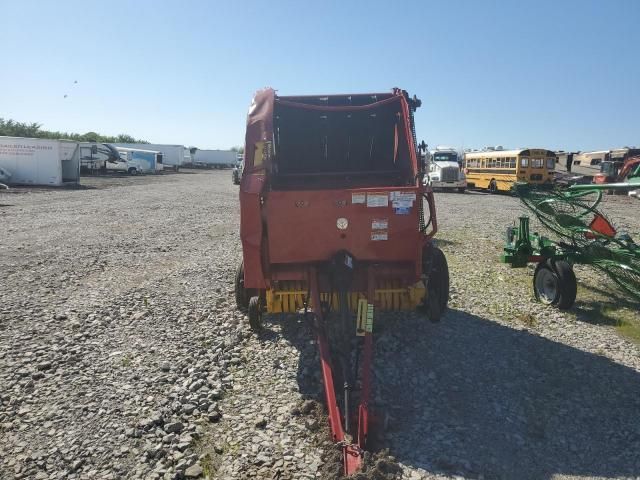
(380, 224)
(402, 203)
(358, 198)
(404, 196)
(377, 200)
(377, 236)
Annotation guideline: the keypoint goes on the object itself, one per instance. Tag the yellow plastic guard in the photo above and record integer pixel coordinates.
(289, 297)
(369, 326)
(361, 318)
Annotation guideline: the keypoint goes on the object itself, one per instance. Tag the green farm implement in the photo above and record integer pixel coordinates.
(584, 236)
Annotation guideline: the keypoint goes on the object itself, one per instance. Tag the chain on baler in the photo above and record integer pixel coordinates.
(413, 105)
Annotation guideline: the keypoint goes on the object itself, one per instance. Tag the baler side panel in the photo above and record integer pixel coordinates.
(259, 131)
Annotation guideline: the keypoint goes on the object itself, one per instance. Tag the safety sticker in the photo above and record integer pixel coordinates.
(358, 198)
(379, 235)
(402, 203)
(402, 210)
(377, 200)
(380, 224)
(403, 196)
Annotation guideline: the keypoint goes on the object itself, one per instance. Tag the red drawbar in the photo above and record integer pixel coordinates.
(352, 452)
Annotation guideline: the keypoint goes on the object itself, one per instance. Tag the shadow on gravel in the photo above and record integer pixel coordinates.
(470, 397)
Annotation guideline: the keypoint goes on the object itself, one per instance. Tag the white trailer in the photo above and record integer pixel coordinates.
(39, 161)
(215, 158)
(172, 155)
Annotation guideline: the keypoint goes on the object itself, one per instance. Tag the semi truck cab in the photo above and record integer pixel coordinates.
(444, 170)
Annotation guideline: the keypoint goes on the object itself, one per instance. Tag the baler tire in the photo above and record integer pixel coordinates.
(437, 285)
(242, 295)
(255, 314)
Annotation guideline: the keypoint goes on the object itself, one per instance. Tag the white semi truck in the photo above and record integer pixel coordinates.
(445, 171)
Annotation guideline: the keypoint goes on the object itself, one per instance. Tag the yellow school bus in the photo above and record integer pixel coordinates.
(498, 170)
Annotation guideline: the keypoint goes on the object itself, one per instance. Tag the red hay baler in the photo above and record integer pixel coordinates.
(336, 222)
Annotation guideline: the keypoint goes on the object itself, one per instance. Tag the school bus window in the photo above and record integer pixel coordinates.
(524, 162)
(551, 163)
(537, 162)
(512, 162)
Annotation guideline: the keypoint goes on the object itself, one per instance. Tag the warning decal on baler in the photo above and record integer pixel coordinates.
(358, 198)
(377, 200)
(402, 199)
(379, 235)
(402, 203)
(380, 224)
(403, 196)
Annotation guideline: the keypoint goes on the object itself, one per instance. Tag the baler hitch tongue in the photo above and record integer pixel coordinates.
(342, 422)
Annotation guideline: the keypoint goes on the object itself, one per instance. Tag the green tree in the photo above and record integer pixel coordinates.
(11, 128)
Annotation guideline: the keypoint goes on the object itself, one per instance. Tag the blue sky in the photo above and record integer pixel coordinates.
(555, 74)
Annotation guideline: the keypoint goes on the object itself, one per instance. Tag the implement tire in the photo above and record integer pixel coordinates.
(554, 283)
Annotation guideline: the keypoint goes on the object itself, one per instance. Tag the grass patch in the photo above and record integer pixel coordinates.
(603, 304)
(527, 319)
(209, 466)
(624, 319)
(630, 330)
(126, 360)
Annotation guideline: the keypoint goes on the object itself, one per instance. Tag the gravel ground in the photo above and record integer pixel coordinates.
(121, 354)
